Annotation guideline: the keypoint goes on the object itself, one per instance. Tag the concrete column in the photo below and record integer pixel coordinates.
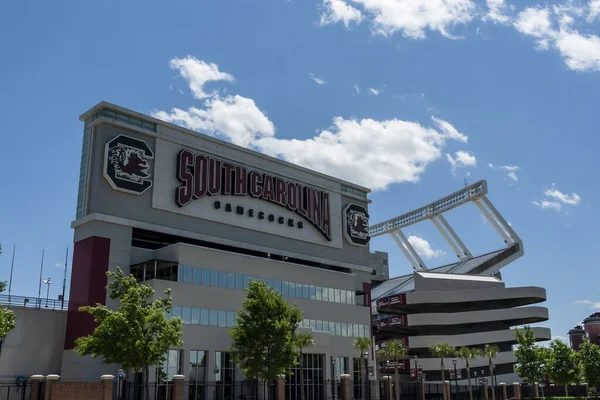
(51, 380)
(388, 387)
(281, 388)
(517, 389)
(107, 386)
(485, 391)
(178, 387)
(422, 383)
(36, 382)
(503, 387)
(536, 389)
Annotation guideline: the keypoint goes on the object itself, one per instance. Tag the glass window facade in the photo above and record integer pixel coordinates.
(226, 319)
(197, 374)
(233, 281)
(169, 367)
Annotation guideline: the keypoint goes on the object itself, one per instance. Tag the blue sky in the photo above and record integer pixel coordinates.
(407, 97)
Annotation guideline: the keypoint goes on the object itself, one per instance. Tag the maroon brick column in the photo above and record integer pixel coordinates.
(281, 388)
(178, 387)
(36, 383)
(88, 282)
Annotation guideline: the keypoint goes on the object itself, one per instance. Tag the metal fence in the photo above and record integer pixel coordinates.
(15, 391)
(33, 302)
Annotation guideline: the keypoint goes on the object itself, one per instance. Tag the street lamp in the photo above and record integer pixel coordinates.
(333, 377)
(48, 282)
(416, 358)
(455, 377)
(422, 382)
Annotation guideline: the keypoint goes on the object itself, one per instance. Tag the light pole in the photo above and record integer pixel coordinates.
(476, 380)
(455, 377)
(366, 384)
(333, 378)
(416, 358)
(422, 382)
(48, 282)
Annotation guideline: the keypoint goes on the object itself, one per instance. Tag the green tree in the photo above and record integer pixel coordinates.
(264, 333)
(530, 365)
(467, 354)
(303, 340)
(137, 333)
(363, 345)
(8, 321)
(394, 349)
(442, 351)
(589, 356)
(563, 368)
(491, 351)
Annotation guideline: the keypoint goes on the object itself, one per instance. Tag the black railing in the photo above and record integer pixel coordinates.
(15, 391)
(33, 302)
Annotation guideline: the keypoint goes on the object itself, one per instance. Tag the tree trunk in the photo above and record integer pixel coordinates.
(301, 376)
(469, 379)
(492, 379)
(147, 382)
(445, 395)
(360, 366)
(566, 391)
(397, 379)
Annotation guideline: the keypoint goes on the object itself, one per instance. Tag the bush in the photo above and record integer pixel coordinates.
(558, 398)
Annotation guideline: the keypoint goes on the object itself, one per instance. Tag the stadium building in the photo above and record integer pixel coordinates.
(588, 329)
(185, 211)
(465, 303)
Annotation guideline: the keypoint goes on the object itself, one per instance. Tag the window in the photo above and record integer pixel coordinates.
(277, 285)
(349, 297)
(343, 296)
(285, 288)
(223, 279)
(270, 282)
(337, 297)
(331, 296)
(344, 329)
(239, 281)
(318, 293)
(213, 320)
(230, 280)
(246, 281)
(169, 367)
(338, 329)
(214, 278)
(305, 292)
(186, 314)
(176, 312)
(195, 316)
(197, 276)
(222, 318)
(314, 378)
(325, 326)
(206, 277)
(319, 325)
(325, 294)
(355, 330)
(292, 289)
(188, 274)
(204, 316)
(312, 292)
(197, 374)
(230, 319)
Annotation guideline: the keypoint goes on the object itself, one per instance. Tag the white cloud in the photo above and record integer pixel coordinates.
(424, 248)
(339, 11)
(368, 152)
(511, 170)
(235, 118)
(318, 81)
(197, 73)
(545, 204)
(594, 10)
(572, 199)
(372, 153)
(59, 265)
(461, 159)
(581, 52)
(594, 304)
(411, 17)
(496, 10)
(356, 89)
(449, 131)
(373, 92)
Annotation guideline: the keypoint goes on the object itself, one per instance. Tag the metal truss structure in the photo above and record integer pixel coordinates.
(475, 193)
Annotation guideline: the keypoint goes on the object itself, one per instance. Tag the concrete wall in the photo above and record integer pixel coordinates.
(35, 345)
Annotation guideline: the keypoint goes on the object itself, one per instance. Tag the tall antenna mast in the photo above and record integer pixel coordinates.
(41, 271)
(12, 264)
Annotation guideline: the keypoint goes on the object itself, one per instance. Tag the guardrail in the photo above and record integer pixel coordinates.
(33, 302)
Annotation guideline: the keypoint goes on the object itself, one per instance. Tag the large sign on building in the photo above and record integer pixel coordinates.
(238, 191)
(202, 176)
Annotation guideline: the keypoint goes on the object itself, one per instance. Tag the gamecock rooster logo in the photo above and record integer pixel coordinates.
(126, 166)
(357, 224)
(129, 163)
